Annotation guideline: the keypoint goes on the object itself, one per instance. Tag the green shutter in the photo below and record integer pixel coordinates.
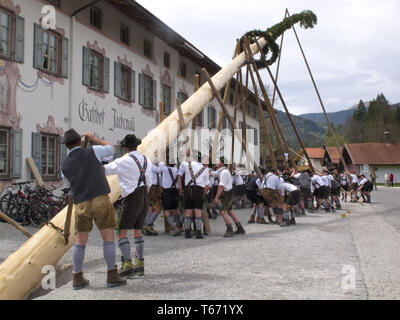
(62, 155)
(17, 154)
(86, 66)
(38, 47)
(141, 89)
(106, 75)
(154, 106)
(37, 150)
(19, 39)
(117, 79)
(133, 85)
(64, 58)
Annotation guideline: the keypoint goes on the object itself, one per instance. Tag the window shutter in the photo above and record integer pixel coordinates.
(141, 89)
(17, 154)
(154, 106)
(133, 85)
(64, 58)
(117, 80)
(38, 47)
(37, 150)
(106, 75)
(86, 66)
(19, 39)
(63, 153)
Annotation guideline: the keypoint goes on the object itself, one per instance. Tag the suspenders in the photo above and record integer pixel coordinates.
(173, 186)
(142, 170)
(194, 177)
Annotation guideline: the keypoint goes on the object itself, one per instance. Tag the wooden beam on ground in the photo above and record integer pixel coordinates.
(15, 224)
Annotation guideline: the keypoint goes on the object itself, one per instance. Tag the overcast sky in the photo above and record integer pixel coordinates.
(353, 51)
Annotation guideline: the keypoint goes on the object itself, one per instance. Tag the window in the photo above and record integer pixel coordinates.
(212, 118)
(225, 123)
(166, 60)
(50, 52)
(4, 152)
(147, 92)
(124, 82)
(124, 34)
(182, 97)
(5, 35)
(12, 33)
(183, 69)
(95, 70)
(166, 96)
(49, 156)
(95, 17)
(147, 49)
(199, 119)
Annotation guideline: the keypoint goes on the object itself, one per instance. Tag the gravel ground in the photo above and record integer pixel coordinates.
(268, 263)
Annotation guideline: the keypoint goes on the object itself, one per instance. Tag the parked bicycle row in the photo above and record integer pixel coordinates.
(32, 205)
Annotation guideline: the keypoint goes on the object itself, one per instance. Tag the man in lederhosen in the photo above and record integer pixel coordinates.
(271, 192)
(169, 179)
(134, 176)
(196, 186)
(155, 202)
(83, 172)
(224, 197)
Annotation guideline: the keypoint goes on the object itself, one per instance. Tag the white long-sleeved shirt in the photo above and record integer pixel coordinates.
(272, 181)
(288, 187)
(156, 175)
(128, 172)
(225, 179)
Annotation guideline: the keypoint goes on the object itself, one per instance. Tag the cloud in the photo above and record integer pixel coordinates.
(353, 50)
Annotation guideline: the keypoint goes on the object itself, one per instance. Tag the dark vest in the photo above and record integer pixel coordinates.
(86, 175)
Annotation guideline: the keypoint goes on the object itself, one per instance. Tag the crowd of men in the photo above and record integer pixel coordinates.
(184, 193)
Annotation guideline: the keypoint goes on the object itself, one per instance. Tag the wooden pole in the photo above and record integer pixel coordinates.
(21, 272)
(319, 97)
(261, 113)
(271, 111)
(67, 225)
(291, 120)
(15, 224)
(233, 124)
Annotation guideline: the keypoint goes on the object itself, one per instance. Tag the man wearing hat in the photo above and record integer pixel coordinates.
(134, 176)
(84, 174)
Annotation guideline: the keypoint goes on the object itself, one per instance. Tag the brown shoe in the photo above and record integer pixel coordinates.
(261, 221)
(78, 281)
(251, 220)
(114, 279)
(175, 232)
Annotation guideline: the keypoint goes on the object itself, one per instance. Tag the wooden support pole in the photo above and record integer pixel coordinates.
(261, 113)
(271, 111)
(233, 124)
(162, 116)
(291, 120)
(15, 224)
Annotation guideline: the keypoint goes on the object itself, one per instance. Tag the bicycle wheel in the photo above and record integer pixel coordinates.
(5, 201)
(14, 212)
(38, 213)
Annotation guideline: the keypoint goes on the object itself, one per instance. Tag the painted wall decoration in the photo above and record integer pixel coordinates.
(9, 75)
(50, 127)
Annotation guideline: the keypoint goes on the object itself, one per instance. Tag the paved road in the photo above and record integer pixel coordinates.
(320, 258)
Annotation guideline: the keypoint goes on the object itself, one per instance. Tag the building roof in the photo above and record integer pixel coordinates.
(374, 153)
(334, 154)
(315, 153)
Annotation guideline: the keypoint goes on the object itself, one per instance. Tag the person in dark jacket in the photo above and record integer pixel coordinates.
(83, 172)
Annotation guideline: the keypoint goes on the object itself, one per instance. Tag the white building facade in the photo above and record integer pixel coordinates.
(104, 70)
